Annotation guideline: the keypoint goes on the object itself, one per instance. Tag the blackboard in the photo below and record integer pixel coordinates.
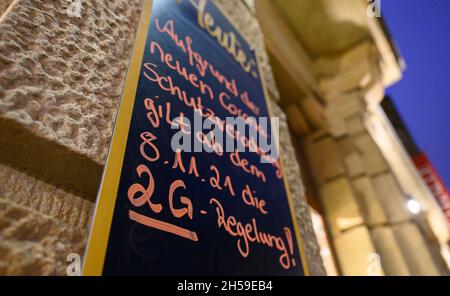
(174, 199)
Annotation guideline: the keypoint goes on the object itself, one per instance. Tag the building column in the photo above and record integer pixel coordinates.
(361, 196)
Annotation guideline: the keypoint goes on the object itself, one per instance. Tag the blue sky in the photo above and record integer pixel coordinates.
(421, 29)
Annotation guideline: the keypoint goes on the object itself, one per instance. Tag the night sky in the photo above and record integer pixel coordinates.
(421, 29)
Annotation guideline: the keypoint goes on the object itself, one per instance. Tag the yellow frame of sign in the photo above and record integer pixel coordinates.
(99, 235)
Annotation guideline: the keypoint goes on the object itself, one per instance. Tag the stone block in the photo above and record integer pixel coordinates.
(391, 197)
(368, 202)
(371, 156)
(4, 5)
(340, 206)
(292, 173)
(61, 80)
(25, 190)
(354, 124)
(415, 250)
(352, 158)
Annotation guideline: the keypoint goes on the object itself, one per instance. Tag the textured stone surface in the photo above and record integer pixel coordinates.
(390, 254)
(62, 76)
(292, 172)
(35, 244)
(325, 159)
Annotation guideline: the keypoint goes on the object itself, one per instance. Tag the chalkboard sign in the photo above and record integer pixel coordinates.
(193, 184)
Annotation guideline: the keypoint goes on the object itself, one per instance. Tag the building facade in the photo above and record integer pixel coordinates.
(325, 64)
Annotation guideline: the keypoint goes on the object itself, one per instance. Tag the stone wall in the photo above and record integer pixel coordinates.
(61, 79)
(4, 5)
(250, 29)
(360, 192)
